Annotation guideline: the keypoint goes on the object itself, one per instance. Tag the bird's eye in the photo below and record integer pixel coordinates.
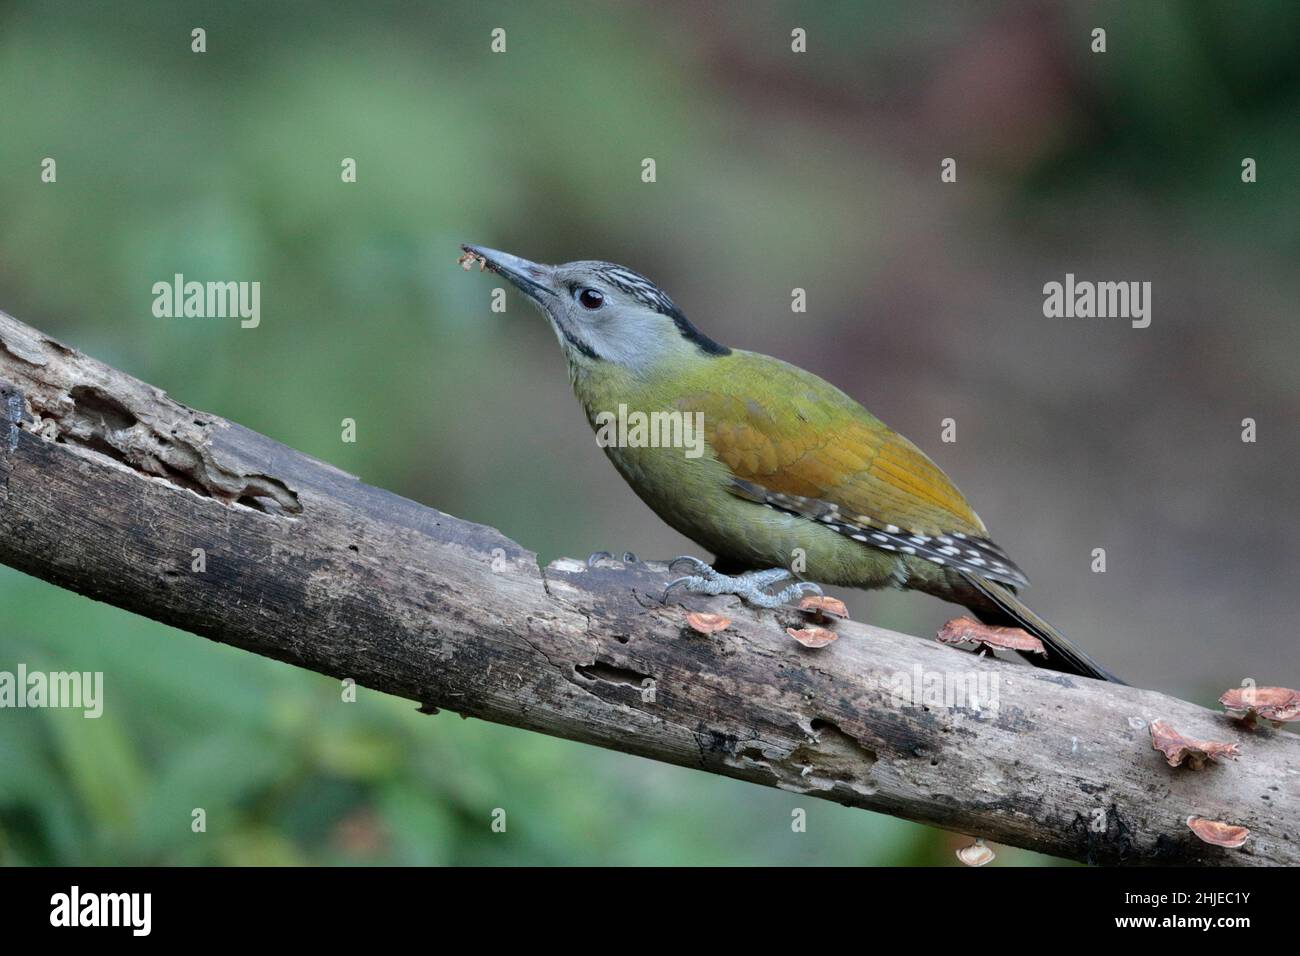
(591, 299)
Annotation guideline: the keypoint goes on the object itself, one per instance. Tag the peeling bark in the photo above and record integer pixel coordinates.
(107, 486)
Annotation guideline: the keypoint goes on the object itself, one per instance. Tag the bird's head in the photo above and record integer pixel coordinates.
(602, 312)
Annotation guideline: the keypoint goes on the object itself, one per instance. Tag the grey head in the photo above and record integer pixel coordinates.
(602, 312)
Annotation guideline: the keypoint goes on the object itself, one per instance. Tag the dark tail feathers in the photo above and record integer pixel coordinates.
(1009, 611)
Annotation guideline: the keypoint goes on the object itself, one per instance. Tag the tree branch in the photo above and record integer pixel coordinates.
(108, 487)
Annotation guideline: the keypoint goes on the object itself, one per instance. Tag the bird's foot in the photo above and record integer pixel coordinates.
(628, 557)
(752, 585)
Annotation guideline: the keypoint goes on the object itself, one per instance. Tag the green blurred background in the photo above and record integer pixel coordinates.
(775, 170)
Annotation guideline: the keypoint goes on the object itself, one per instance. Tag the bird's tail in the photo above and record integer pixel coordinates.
(1004, 609)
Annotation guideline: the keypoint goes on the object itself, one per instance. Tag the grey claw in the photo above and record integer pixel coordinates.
(596, 556)
(699, 565)
(674, 583)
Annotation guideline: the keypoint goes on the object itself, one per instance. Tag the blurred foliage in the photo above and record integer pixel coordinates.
(774, 171)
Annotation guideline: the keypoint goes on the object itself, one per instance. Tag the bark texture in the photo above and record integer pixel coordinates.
(108, 487)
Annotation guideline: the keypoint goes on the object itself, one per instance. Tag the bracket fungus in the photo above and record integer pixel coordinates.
(822, 608)
(1194, 753)
(961, 630)
(703, 622)
(812, 636)
(1253, 705)
(977, 854)
(1218, 833)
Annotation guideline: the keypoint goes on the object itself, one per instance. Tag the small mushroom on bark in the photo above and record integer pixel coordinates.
(977, 854)
(812, 636)
(1218, 833)
(704, 622)
(1195, 753)
(819, 606)
(1251, 705)
(964, 629)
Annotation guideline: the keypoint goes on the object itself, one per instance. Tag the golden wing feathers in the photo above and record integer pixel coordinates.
(817, 453)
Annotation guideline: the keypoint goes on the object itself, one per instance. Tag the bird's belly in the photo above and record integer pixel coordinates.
(691, 495)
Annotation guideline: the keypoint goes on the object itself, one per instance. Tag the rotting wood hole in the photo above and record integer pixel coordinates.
(612, 673)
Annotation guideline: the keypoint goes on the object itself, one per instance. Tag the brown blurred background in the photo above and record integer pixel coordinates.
(775, 170)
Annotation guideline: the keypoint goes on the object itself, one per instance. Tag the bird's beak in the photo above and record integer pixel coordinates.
(531, 278)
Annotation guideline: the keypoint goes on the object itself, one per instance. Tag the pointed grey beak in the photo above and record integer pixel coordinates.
(530, 278)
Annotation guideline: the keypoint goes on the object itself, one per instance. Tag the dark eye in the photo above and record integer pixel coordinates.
(591, 298)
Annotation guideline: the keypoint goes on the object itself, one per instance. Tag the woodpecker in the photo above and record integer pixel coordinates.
(794, 473)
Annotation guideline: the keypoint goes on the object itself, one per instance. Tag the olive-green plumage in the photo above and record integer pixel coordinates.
(778, 428)
(793, 473)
